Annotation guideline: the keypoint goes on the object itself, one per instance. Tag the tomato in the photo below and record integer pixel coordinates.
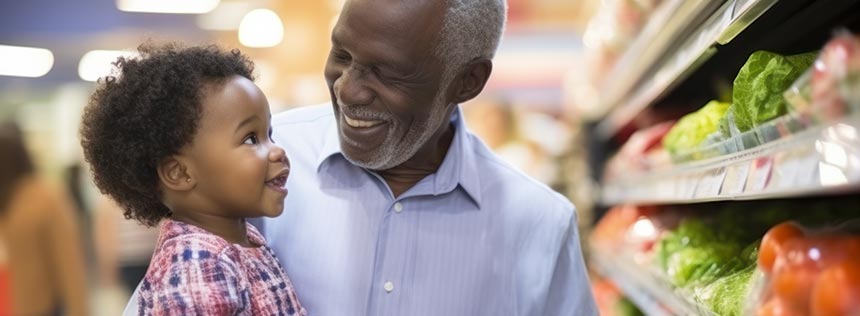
(837, 291)
(795, 285)
(778, 307)
(798, 266)
(773, 241)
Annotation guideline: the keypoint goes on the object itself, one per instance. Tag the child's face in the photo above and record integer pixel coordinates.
(238, 170)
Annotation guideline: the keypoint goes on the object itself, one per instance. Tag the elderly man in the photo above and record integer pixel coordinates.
(395, 208)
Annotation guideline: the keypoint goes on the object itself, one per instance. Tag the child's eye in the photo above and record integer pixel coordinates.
(251, 140)
(270, 135)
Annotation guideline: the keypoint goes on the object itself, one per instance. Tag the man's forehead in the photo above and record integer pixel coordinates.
(398, 9)
(403, 24)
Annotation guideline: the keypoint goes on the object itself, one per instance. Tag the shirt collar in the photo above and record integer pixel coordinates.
(458, 167)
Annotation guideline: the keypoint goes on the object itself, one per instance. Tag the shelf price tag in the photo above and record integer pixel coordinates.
(710, 183)
(759, 175)
(735, 179)
(785, 171)
(807, 173)
(685, 186)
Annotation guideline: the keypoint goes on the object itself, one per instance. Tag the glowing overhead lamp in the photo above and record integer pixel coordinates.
(98, 63)
(167, 6)
(19, 61)
(261, 28)
(226, 17)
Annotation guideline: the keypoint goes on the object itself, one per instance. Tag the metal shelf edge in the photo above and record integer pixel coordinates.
(652, 297)
(819, 160)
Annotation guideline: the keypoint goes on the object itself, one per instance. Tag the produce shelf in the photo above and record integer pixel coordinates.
(652, 295)
(720, 27)
(669, 23)
(824, 159)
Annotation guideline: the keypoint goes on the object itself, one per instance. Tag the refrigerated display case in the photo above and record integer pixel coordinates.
(684, 52)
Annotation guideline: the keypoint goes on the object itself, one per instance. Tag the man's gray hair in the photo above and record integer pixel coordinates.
(471, 29)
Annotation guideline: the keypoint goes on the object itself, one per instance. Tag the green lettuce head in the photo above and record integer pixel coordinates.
(759, 85)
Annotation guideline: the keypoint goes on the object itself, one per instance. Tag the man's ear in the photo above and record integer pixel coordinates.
(472, 79)
(174, 175)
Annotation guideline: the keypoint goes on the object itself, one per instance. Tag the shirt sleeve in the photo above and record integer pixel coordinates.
(196, 282)
(570, 290)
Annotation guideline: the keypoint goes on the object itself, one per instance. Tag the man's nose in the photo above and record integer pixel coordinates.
(351, 87)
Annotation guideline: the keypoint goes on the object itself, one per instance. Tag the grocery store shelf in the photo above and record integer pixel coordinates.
(819, 160)
(651, 294)
(671, 21)
(721, 26)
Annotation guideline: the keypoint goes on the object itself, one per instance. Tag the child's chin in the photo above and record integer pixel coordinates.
(273, 212)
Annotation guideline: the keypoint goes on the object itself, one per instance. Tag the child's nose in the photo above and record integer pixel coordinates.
(278, 154)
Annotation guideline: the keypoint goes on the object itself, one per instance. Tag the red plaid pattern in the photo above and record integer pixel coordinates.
(194, 272)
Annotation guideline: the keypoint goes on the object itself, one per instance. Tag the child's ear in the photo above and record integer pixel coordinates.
(174, 175)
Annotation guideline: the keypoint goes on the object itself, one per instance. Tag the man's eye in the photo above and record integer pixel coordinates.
(251, 140)
(340, 56)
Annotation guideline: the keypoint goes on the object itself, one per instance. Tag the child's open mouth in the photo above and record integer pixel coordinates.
(279, 183)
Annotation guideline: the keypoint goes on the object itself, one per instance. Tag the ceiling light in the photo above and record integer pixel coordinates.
(167, 6)
(28, 62)
(261, 28)
(99, 63)
(226, 17)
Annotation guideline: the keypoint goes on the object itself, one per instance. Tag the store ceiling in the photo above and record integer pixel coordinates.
(71, 28)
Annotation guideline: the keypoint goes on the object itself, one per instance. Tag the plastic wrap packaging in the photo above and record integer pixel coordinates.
(641, 153)
(633, 230)
(830, 89)
(805, 271)
(696, 132)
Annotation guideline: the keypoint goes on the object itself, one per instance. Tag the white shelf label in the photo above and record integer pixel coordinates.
(710, 183)
(759, 175)
(736, 178)
(685, 186)
(784, 173)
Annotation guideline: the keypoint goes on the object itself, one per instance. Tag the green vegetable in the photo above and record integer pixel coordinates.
(759, 85)
(695, 265)
(689, 233)
(625, 307)
(726, 296)
(693, 128)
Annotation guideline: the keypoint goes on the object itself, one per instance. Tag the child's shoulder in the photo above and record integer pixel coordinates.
(180, 242)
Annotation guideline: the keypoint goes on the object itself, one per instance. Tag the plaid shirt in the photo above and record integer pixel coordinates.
(194, 272)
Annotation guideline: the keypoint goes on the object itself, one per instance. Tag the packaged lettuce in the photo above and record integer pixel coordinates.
(726, 296)
(759, 85)
(693, 128)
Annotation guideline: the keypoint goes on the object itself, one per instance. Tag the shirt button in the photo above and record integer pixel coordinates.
(398, 207)
(388, 286)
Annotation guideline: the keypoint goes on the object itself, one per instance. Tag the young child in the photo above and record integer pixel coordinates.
(181, 136)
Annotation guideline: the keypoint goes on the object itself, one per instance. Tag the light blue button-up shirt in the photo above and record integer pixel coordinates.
(477, 237)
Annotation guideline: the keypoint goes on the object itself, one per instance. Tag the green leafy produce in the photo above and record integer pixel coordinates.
(759, 85)
(693, 128)
(625, 307)
(690, 232)
(695, 265)
(697, 253)
(726, 296)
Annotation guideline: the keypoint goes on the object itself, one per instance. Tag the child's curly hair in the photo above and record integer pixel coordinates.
(146, 113)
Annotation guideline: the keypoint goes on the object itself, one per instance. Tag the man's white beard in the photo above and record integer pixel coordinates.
(394, 151)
